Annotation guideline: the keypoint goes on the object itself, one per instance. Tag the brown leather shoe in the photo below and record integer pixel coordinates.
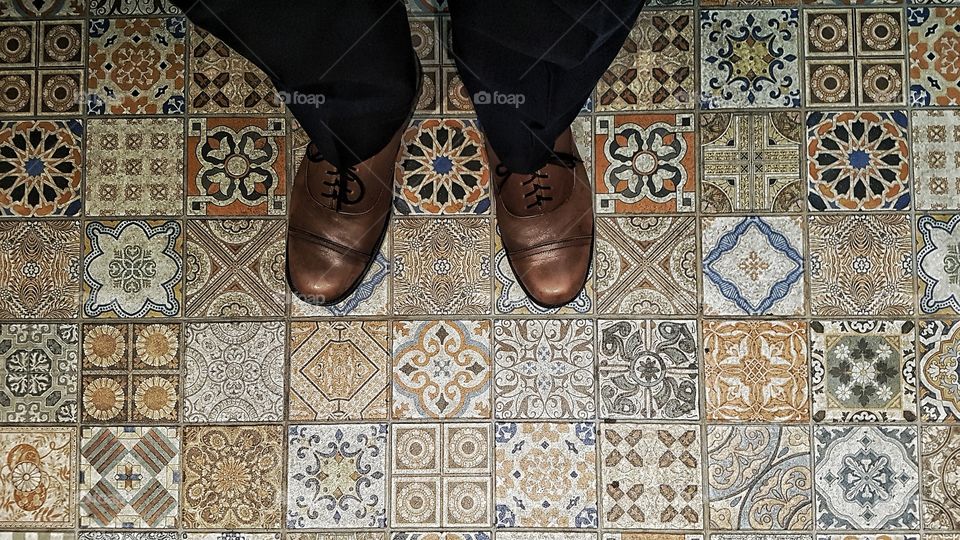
(546, 223)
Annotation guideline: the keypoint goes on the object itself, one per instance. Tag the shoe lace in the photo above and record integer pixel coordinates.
(340, 185)
(538, 191)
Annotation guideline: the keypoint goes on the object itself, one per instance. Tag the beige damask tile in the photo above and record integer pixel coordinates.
(39, 477)
(939, 370)
(936, 159)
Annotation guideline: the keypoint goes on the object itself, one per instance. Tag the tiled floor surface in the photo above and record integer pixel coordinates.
(769, 343)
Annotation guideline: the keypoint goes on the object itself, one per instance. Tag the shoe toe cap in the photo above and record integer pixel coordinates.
(554, 278)
(321, 275)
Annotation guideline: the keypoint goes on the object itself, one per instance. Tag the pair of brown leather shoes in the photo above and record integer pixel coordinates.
(339, 216)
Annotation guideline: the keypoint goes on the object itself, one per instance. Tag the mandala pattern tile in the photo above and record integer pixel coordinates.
(441, 266)
(939, 370)
(655, 67)
(749, 58)
(750, 162)
(135, 167)
(232, 477)
(38, 478)
(940, 461)
(753, 266)
(441, 369)
(235, 268)
(39, 269)
(336, 476)
(645, 163)
(544, 369)
(339, 370)
(860, 265)
(133, 268)
(651, 476)
(129, 477)
(934, 62)
(39, 367)
(648, 369)
(512, 299)
(136, 66)
(935, 135)
(938, 263)
(17, 90)
(236, 166)
(234, 372)
(646, 265)
(756, 371)
(40, 169)
(858, 161)
(546, 475)
(222, 81)
(371, 297)
(866, 477)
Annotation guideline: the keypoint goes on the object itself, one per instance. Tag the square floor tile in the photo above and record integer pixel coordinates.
(20, 44)
(425, 34)
(339, 370)
(860, 265)
(129, 477)
(223, 81)
(655, 67)
(454, 95)
(830, 82)
(546, 475)
(749, 58)
(441, 369)
(648, 370)
(544, 369)
(18, 88)
(442, 169)
(940, 455)
(46, 494)
(936, 159)
(41, 167)
(39, 367)
(939, 370)
(759, 477)
(858, 161)
(934, 67)
(646, 265)
(756, 371)
(135, 167)
(829, 32)
(59, 92)
(61, 43)
(751, 162)
(866, 477)
(512, 299)
(236, 166)
(232, 477)
(879, 31)
(753, 266)
(441, 266)
(645, 163)
(352, 461)
(133, 268)
(136, 66)
(938, 263)
(234, 372)
(235, 268)
(371, 297)
(39, 269)
(881, 82)
(651, 476)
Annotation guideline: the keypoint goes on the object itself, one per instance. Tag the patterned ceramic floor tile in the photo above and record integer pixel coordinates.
(136, 66)
(441, 369)
(749, 58)
(39, 367)
(234, 372)
(25, 9)
(645, 163)
(371, 297)
(750, 161)
(860, 265)
(753, 266)
(646, 265)
(940, 461)
(124, 8)
(440, 475)
(339, 370)
(936, 153)
(235, 268)
(934, 64)
(129, 477)
(756, 371)
(651, 476)
(648, 370)
(336, 476)
(40, 169)
(222, 81)
(39, 487)
(133, 268)
(442, 169)
(232, 477)
(866, 478)
(135, 167)
(939, 370)
(544, 369)
(655, 67)
(858, 161)
(512, 299)
(759, 477)
(236, 166)
(39, 269)
(441, 266)
(546, 475)
(938, 263)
